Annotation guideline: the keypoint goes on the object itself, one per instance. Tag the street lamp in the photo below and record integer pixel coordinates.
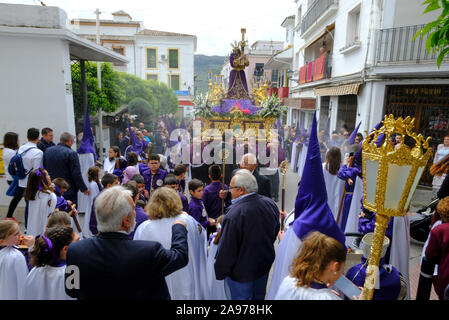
(390, 178)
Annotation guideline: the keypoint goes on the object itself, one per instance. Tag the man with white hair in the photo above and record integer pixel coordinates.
(246, 251)
(111, 266)
(249, 162)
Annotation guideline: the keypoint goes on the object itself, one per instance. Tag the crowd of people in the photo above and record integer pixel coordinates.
(157, 230)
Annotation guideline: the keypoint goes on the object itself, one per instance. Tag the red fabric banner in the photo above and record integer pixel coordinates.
(309, 71)
(303, 75)
(318, 73)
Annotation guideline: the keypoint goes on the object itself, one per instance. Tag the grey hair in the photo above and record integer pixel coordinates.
(111, 206)
(246, 180)
(66, 137)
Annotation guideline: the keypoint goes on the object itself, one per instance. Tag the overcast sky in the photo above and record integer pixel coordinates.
(215, 23)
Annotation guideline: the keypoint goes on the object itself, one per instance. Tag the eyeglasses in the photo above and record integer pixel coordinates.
(233, 187)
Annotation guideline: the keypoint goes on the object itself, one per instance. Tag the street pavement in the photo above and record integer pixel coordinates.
(421, 197)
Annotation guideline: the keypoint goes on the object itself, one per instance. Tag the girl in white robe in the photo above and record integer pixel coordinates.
(320, 262)
(190, 282)
(13, 266)
(94, 187)
(46, 280)
(42, 201)
(334, 185)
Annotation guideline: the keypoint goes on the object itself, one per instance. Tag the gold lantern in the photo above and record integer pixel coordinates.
(390, 177)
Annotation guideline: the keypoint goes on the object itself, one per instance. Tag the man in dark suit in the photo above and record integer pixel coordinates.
(246, 248)
(111, 266)
(249, 162)
(62, 162)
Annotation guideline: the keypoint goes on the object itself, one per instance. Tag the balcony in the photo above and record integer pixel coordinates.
(318, 8)
(395, 46)
(318, 69)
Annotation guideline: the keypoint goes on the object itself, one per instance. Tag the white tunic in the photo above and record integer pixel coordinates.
(38, 212)
(218, 289)
(302, 159)
(334, 188)
(289, 291)
(352, 225)
(45, 283)
(109, 166)
(286, 251)
(400, 248)
(94, 191)
(13, 272)
(86, 162)
(293, 161)
(190, 282)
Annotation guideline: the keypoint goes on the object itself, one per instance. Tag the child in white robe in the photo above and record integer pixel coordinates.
(46, 281)
(320, 262)
(95, 188)
(13, 266)
(42, 201)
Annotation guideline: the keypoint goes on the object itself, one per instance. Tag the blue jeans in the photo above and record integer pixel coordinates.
(253, 290)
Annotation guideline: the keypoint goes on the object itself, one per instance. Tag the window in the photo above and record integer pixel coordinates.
(173, 58)
(151, 58)
(274, 76)
(353, 27)
(120, 50)
(258, 70)
(174, 81)
(153, 76)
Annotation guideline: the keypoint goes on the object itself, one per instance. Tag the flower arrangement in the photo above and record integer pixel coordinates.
(271, 107)
(202, 108)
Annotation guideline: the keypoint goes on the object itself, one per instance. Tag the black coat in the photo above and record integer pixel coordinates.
(263, 183)
(246, 248)
(62, 162)
(111, 266)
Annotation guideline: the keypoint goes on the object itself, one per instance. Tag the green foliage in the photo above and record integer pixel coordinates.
(110, 96)
(141, 108)
(437, 31)
(121, 88)
(271, 107)
(202, 65)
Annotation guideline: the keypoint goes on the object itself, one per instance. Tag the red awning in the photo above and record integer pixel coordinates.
(185, 103)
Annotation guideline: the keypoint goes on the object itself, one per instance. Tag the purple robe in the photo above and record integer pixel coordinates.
(212, 201)
(61, 203)
(141, 216)
(153, 181)
(346, 173)
(238, 88)
(185, 202)
(196, 210)
(390, 282)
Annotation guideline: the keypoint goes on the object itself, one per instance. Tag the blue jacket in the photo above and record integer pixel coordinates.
(62, 162)
(113, 267)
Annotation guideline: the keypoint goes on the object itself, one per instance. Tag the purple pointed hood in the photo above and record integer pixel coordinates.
(136, 145)
(351, 139)
(312, 213)
(87, 143)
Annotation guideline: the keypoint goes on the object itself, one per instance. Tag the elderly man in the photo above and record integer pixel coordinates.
(111, 266)
(246, 251)
(249, 162)
(63, 162)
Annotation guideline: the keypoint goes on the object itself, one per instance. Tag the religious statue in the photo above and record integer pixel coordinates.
(238, 88)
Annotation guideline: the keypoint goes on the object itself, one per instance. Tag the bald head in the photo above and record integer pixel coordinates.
(249, 162)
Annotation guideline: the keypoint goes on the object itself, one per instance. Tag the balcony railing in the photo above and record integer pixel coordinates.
(318, 69)
(395, 45)
(315, 11)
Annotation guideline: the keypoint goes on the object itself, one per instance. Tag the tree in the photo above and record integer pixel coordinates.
(141, 108)
(110, 96)
(438, 30)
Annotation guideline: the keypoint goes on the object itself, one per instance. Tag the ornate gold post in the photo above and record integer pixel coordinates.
(375, 255)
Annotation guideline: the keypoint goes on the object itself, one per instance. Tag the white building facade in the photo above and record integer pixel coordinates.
(163, 56)
(357, 60)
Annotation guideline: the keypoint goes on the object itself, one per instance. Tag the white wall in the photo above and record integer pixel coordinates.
(34, 72)
(186, 58)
